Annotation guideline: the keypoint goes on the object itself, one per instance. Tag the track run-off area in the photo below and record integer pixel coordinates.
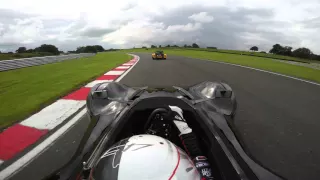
(277, 117)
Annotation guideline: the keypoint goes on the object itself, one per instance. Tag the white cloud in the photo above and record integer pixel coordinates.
(23, 31)
(137, 32)
(202, 17)
(128, 22)
(183, 28)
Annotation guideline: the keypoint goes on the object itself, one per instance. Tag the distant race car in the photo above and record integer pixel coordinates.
(159, 55)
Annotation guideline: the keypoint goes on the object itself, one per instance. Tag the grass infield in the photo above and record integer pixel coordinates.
(27, 90)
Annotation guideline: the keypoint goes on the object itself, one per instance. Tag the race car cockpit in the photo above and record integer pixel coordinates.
(117, 113)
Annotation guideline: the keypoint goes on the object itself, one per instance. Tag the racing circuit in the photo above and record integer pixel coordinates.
(277, 116)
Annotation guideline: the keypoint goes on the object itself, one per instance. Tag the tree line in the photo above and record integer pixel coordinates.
(302, 52)
(44, 48)
(193, 45)
(277, 49)
(50, 49)
(90, 49)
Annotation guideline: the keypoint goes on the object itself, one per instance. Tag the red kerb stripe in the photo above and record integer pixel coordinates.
(16, 138)
(80, 94)
(108, 77)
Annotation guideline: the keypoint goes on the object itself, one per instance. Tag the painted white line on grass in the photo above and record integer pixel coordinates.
(278, 74)
(91, 84)
(54, 114)
(114, 73)
(27, 158)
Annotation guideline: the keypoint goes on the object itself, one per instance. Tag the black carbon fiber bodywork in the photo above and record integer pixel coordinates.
(211, 105)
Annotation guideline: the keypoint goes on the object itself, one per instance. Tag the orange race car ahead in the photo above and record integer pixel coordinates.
(159, 55)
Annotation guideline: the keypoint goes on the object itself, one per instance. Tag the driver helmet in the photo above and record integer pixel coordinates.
(144, 157)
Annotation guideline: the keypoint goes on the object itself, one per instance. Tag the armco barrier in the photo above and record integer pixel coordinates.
(6, 65)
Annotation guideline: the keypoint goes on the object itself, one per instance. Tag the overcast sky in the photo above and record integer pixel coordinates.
(228, 24)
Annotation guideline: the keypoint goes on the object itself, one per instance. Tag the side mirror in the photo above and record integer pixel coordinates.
(219, 94)
(103, 94)
(100, 92)
(216, 90)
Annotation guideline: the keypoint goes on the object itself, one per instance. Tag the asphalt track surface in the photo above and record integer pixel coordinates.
(277, 117)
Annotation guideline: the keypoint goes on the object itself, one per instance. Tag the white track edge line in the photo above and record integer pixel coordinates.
(13, 168)
(270, 72)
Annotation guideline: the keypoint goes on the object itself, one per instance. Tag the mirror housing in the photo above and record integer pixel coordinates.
(220, 94)
(107, 96)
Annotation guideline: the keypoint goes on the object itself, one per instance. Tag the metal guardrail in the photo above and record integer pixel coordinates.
(6, 65)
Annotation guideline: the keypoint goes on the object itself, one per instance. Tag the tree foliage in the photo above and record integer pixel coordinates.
(153, 46)
(287, 51)
(254, 48)
(194, 45)
(21, 50)
(315, 57)
(30, 51)
(212, 48)
(99, 48)
(86, 49)
(280, 50)
(276, 49)
(49, 48)
(90, 49)
(302, 53)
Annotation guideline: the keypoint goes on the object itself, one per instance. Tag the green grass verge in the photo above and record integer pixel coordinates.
(250, 61)
(26, 91)
(259, 54)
